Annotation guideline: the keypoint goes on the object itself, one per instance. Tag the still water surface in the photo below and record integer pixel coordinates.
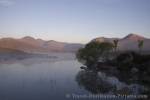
(52, 80)
(39, 81)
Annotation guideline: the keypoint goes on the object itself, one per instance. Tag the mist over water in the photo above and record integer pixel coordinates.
(39, 79)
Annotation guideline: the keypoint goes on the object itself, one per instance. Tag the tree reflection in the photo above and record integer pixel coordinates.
(90, 81)
(101, 83)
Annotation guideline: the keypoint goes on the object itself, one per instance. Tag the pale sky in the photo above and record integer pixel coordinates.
(74, 20)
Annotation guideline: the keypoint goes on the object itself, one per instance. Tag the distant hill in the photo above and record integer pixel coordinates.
(133, 37)
(32, 45)
(10, 51)
(7, 54)
(129, 42)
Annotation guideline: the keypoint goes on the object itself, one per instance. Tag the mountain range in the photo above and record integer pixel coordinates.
(129, 42)
(31, 45)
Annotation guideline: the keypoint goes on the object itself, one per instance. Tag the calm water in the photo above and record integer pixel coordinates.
(38, 81)
(51, 80)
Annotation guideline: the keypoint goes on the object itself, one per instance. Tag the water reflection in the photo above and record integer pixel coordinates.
(101, 83)
(91, 82)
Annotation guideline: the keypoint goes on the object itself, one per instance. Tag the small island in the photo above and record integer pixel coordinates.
(129, 66)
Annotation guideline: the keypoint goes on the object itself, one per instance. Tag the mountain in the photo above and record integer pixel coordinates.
(31, 40)
(32, 45)
(129, 42)
(73, 47)
(133, 37)
(17, 44)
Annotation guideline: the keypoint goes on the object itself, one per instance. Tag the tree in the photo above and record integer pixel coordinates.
(92, 52)
(116, 44)
(140, 45)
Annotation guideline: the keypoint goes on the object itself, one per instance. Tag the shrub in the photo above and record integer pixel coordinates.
(92, 52)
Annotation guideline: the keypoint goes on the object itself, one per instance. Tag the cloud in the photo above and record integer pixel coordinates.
(6, 3)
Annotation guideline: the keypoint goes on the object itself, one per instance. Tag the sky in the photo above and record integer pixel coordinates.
(74, 20)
